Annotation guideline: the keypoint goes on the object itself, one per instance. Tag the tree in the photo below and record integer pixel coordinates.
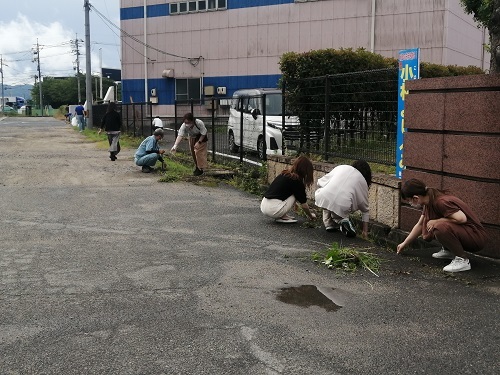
(487, 13)
(62, 91)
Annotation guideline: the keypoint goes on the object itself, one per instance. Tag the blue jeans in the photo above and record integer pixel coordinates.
(81, 122)
(149, 160)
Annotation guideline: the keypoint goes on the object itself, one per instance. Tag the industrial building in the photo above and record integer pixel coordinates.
(178, 50)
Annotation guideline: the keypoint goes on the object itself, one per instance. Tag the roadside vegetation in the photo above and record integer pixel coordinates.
(347, 259)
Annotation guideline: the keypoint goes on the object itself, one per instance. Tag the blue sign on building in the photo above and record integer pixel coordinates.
(409, 68)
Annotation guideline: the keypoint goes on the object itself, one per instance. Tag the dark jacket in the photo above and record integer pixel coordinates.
(112, 121)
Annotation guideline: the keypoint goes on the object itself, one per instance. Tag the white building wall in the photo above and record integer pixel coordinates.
(250, 41)
(444, 33)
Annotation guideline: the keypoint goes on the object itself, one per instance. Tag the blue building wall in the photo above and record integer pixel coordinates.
(165, 87)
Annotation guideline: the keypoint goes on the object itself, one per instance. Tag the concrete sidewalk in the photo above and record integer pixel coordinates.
(105, 270)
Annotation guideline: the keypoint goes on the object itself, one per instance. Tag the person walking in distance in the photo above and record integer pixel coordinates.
(80, 113)
(111, 123)
(157, 123)
(197, 132)
(447, 219)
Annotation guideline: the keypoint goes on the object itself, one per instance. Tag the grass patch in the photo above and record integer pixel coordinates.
(126, 141)
(249, 179)
(175, 171)
(347, 259)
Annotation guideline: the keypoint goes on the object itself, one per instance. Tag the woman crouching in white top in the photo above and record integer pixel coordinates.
(342, 191)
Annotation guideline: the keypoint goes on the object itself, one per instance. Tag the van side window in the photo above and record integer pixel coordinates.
(253, 103)
(235, 104)
(244, 105)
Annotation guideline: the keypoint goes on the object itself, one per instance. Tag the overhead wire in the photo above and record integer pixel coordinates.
(190, 59)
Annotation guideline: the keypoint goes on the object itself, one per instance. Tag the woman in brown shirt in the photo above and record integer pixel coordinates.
(447, 219)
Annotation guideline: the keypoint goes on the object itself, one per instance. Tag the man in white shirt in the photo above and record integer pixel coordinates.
(157, 123)
(342, 191)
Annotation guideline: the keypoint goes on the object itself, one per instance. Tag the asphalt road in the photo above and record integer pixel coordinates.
(104, 270)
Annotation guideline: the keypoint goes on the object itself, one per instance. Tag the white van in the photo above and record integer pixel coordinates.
(249, 103)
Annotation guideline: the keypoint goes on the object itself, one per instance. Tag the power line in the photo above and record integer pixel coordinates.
(140, 41)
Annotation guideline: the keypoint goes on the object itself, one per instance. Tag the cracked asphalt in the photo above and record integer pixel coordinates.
(105, 270)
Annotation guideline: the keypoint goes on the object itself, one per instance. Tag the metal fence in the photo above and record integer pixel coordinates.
(216, 119)
(351, 115)
(136, 117)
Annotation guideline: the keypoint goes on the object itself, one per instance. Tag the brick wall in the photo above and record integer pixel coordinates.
(453, 142)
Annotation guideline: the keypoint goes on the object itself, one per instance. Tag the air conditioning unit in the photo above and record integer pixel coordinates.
(168, 73)
(208, 90)
(153, 92)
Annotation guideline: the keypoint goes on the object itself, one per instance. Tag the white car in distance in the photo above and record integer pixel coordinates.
(248, 106)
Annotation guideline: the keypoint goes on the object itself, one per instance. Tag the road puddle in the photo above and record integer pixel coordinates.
(329, 299)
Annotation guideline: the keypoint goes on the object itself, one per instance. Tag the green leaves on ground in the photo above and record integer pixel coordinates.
(347, 259)
(175, 171)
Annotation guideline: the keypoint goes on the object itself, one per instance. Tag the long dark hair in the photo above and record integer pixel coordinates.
(301, 169)
(364, 168)
(416, 187)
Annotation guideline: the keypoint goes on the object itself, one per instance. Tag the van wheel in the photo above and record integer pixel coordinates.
(232, 144)
(261, 148)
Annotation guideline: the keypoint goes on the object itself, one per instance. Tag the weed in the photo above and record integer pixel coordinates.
(175, 171)
(126, 141)
(250, 179)
(347, 259)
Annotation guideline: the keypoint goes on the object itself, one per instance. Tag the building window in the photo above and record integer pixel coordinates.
(197, 6)
(187, 89)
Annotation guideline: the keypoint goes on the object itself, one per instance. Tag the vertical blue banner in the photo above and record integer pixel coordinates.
(409, 68)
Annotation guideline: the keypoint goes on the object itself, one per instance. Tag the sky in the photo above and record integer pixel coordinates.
(55, 23)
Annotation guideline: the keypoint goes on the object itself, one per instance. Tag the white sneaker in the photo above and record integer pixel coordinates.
(443, 254)
(458, 264)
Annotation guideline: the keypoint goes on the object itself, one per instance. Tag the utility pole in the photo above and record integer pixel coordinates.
(1, 72)
(37, 59)
(100, 71)
(77, 62)
(88, 65)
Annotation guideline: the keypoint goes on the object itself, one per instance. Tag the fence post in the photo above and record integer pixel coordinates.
(142, 120)
(150, 119)
(213, 129)
(241, 131)
(133, 121)
(283, 111)
(175, 120)
(327, 118)
(264, 128)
